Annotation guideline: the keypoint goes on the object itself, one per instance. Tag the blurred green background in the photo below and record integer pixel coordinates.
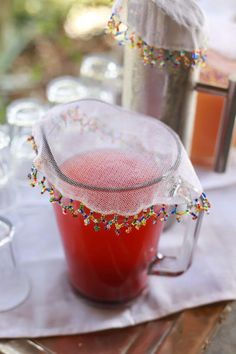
(42, 39)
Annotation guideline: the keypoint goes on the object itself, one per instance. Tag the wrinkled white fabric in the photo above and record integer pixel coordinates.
(186, 13)
(174, 25)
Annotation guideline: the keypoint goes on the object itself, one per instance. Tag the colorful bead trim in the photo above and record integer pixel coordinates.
(152, 55)
(33, 143)
(118, 222)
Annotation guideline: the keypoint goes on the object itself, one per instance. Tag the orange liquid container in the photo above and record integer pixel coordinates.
(207, 123)
(209, 110)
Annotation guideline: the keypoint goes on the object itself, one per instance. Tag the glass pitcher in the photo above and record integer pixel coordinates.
(114, 177)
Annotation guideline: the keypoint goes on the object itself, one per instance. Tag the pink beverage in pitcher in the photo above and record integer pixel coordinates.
(104, 266)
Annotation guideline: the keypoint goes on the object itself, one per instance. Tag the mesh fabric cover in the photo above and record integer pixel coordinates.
(175, 25)
(113, 160)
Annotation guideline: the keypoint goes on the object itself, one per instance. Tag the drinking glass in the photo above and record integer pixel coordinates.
(22, 114)
(105, 71)
(7, 193)
(14, 284)
(102, 68)
(4, 143)
(67, 89)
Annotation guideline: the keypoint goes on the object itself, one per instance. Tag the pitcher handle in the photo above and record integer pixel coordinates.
(174, 266)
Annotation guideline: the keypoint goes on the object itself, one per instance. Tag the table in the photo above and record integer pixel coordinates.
(189, 332)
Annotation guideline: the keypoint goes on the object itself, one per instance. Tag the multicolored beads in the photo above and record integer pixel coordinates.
(117, 222)
(151, 55)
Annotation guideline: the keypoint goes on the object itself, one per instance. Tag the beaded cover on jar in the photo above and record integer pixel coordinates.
(166, 32)
(114, 167)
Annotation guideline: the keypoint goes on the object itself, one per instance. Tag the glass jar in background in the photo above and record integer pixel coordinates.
(7, 193)
(4, 143)
(22, 114)
(102, 68)
(209, 110)
(14, 284)
(105, 71)
(66, 89)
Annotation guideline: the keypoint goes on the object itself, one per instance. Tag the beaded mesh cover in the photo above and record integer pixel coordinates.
(112, 160)
(167, 32)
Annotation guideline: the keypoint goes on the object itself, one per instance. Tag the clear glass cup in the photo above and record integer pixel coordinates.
(102, 68)
(7, 192)
(14, 284)
(67, 89)
(22, 114)
(4, 143)
(105, 71)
